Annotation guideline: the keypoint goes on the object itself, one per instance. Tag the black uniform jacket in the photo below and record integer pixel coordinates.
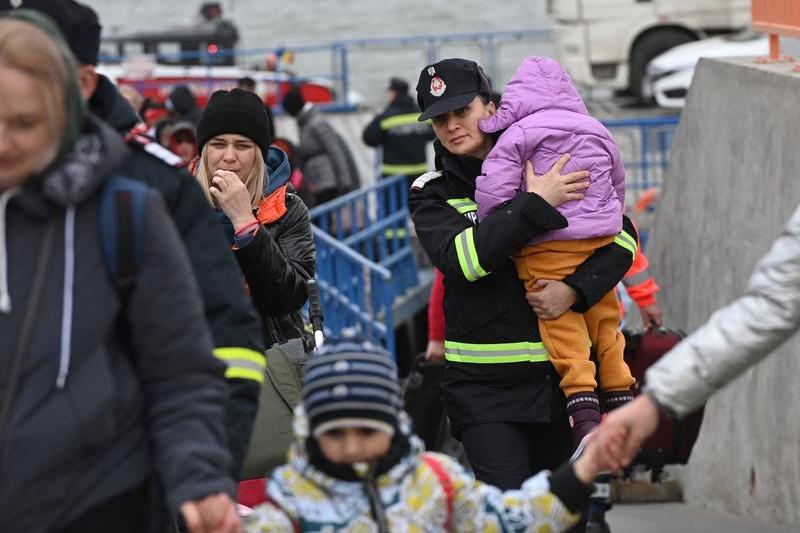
(403, 138)
(485, 308)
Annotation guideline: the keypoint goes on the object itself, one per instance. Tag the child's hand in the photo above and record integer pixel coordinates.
(555, 188)
(603, 453)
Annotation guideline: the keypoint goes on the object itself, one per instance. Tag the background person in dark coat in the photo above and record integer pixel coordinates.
(328, 164)
(397, 131)
(228, 311)
(111, 392)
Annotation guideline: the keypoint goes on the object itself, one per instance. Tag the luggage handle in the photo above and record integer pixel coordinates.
(315, 314)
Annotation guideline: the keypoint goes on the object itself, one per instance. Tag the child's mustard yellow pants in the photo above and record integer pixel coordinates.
(568, 337)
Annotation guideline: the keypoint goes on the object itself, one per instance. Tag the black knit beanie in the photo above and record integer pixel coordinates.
(352, 385)
(236, 111)
(293, 101)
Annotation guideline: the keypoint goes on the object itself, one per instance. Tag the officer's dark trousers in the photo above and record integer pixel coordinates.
(505, 454)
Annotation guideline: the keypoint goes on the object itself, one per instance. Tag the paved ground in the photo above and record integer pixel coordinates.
(680, 518)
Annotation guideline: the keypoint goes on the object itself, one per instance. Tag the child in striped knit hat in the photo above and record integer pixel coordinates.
(356, 466)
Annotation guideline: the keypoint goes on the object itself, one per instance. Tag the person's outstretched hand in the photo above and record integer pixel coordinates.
(213, 514)
(555, 188)
(637, 419)
(601, 454)
(550, 298)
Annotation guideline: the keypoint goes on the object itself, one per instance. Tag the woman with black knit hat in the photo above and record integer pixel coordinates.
(268, 225)
(356, 466)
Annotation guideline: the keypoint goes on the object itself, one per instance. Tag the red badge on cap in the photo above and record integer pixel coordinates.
(437, 86)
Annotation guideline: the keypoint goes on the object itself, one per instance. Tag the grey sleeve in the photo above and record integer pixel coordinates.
(737, 336)
(335, 148)
(183, 382)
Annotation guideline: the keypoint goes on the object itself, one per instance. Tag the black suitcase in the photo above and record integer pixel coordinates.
(422, 396)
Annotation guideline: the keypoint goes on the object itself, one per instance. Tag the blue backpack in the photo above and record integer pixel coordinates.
(121, 217)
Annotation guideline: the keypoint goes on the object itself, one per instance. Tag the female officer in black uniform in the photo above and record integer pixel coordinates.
(501, 391)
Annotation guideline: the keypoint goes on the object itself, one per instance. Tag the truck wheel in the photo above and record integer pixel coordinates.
(646, 49)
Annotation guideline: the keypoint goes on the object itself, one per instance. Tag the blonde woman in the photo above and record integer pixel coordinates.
(268, 225)
(107, 401)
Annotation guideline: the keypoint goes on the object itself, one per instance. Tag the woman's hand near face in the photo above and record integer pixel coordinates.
(554, 187)
(232, 197)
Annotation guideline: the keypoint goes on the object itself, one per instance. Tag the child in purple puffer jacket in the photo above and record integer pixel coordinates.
(544, 117)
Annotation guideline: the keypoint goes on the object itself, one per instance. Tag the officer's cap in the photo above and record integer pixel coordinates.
(448, 85)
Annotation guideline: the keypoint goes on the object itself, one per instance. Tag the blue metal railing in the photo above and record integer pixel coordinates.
(356, 293)
(341, 52)
(644, 143)
(372, 224)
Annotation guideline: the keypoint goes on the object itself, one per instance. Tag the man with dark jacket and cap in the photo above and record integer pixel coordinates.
(234, 325)
(401, 136)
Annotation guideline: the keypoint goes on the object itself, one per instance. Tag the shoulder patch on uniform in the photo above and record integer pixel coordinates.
(159, 152)
(423, 180)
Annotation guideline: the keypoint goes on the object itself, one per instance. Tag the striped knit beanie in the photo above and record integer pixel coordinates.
(352, 385)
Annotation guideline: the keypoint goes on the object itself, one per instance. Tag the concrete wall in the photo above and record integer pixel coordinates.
(732, 183)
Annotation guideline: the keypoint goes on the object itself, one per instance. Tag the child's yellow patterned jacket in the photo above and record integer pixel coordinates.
(413, 498)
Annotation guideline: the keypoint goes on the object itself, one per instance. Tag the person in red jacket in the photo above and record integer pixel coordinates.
(435, 351)
(642, 288)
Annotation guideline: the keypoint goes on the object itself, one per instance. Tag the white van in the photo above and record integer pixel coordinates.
(608, 43)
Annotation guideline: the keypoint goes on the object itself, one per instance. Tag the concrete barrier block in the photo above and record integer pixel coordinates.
(731, 185)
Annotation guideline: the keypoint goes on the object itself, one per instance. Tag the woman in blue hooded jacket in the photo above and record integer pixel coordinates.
(111, 402)
(267, 223)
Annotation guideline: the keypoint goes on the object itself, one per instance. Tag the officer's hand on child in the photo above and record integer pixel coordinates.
(550, 298)
(555, 188)
(602, 454)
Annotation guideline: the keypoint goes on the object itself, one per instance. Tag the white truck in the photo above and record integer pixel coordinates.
(608, 43)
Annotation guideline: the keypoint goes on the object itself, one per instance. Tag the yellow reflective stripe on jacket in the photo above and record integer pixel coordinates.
(415, 168)
(624, 239)
(245, 373)
(399, 233)
(507, 352)
(468, 255)
(463, 205)
(242, 363)
(399, 120)
(637, 279)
